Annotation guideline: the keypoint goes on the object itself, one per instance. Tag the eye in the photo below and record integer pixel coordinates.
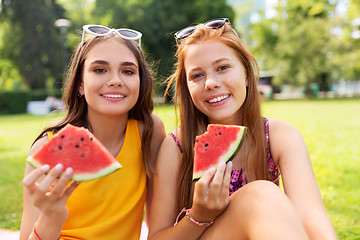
(99, 70)
(196, 76)
(128, 71)
(223, 68)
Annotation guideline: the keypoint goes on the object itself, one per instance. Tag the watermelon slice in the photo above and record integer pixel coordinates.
(220, 143)
(78, 148)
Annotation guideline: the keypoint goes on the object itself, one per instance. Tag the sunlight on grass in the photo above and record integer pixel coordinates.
(331, 131)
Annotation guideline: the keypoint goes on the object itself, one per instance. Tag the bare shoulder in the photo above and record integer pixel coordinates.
(284, 138)
(157, 136)
(158, 124)
(159, 129)
(169, 156)
(280, 130)
(276, 125)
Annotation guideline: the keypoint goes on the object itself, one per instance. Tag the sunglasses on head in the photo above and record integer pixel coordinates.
(99, 30)
(214, 23)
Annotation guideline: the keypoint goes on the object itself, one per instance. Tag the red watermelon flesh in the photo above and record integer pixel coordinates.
(220, 143)
(76, 147)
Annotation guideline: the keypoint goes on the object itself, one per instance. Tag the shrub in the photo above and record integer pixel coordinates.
(13, 101)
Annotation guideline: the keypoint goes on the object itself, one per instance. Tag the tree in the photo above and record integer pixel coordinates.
(299, 44)
(351, 40)
(32, 41)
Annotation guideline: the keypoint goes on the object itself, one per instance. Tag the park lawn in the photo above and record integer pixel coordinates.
(329, 127)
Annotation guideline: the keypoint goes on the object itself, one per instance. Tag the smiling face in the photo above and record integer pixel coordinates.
(111, 79)
(216, 80)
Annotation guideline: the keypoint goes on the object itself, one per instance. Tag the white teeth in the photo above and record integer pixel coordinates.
(218, 99)
(113, 95)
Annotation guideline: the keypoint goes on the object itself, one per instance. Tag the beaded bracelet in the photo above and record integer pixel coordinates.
(191, 219)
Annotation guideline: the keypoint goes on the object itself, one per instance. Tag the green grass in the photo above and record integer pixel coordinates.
(329, 127)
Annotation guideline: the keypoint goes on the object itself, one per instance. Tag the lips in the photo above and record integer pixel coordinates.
(218, 98)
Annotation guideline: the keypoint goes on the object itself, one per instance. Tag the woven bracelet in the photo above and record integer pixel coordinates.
(191, 219)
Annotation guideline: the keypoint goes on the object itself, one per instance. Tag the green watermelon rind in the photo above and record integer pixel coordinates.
(81, 177)
(229, 155)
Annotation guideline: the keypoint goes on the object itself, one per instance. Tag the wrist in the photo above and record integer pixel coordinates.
(199, 216)
(190, 218)
(48, 228)
(35, 236)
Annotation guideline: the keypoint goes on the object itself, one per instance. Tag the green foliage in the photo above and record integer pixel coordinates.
(42, 94)
(33, 42)
(13, 101)
(16, 101)
(10, 77)
(301, 45)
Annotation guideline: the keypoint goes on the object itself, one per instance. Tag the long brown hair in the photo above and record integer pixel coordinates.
(76, 105)
(193, 122)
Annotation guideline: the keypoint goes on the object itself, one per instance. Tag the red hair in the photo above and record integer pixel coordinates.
(193, 122)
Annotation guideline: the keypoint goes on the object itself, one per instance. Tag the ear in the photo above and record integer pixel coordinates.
(81, 89)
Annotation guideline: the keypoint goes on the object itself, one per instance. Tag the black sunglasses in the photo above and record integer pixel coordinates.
(213, 23)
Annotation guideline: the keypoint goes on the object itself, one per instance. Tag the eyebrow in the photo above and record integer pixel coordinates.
(219, 60)
(107, 63)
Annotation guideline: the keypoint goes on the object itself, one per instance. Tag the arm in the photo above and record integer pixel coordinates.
(157, 138)
(290, 152)
(44, 200)
(163, 208)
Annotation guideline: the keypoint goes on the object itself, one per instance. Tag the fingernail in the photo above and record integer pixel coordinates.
(69, 171)
(229, 164)
(212, 170)
(59, 167)
(45, 167)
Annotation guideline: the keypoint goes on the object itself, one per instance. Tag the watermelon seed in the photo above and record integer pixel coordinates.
(91, 139)
(82, 155)
(206, 144)
(62, 136)
(60, 147)
(82, 139)
(77, 146)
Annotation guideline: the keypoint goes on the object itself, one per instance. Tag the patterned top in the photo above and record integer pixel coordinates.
(238, 176)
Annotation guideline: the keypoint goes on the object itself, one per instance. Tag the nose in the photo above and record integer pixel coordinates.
(211, 83)
(115, 81)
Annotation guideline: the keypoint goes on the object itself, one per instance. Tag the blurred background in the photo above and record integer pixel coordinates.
(308, 48)
(308, 52)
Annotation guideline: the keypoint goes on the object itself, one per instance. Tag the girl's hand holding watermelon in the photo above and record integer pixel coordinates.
(49, 194)
(211, 193)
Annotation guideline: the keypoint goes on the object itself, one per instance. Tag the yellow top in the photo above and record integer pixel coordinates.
(111, 207)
